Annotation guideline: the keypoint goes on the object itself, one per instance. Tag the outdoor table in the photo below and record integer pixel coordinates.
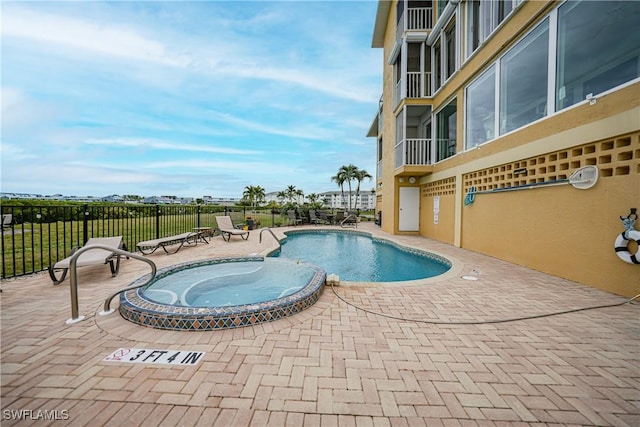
(203, 232)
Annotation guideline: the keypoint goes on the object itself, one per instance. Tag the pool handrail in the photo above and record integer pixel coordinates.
(73, 277)
(272, 233)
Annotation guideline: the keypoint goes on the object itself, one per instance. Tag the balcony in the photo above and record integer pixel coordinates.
(415, 19)
(418, 86)
(413, 152)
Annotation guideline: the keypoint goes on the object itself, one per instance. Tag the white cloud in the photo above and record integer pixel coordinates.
(92, 36)
(148, 143)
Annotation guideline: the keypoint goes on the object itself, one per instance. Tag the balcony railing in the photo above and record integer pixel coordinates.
(416, 19)
(418, 86)
(413, 152)
(419, 18)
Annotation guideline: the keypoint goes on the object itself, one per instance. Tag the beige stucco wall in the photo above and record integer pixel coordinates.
(388, 192)
(444, 230)
(560, 230)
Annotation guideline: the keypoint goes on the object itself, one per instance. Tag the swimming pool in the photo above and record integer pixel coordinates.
(223, 293)
(358, 257)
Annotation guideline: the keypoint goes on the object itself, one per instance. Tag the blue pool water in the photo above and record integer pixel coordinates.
(357, 257)
(230, 283)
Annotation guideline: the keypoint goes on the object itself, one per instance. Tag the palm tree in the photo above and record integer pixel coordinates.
(360, 176)
(350, 174)
(254, 195)
(291, 193)
(339, 179)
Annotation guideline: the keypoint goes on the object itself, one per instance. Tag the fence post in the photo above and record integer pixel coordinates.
(85, 224)
(198, 220)
(157, 222)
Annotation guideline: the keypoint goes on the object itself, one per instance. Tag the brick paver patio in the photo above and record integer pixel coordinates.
(335, 364)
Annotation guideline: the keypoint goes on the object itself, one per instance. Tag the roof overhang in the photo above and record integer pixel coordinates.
(373, 129)
(382, 16)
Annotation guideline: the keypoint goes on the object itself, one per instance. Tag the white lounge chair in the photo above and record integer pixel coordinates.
(226, 228)
(150, 246)
(92, 257)
(7, 220)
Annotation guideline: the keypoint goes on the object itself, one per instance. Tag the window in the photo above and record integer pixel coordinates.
(446, 122)
(598, 48)
(450, 52)
(473, 31)
(437, 65)
(523, 80)
(398, 148)
(480, 109)
(483, 17)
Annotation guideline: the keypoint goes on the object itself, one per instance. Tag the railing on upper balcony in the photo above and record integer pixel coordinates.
(419, 18)
(413, 152)
(416, 19)
(418, 84)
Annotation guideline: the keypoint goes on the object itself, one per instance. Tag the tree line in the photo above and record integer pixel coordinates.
(254, 196)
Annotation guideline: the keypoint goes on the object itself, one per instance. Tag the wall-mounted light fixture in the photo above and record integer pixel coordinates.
(401, 179)
(412, 180)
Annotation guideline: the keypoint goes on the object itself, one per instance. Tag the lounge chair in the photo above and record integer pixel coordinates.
(92, 257)
(7, 220)
(226, 228)
(293, 218)
(150, 246)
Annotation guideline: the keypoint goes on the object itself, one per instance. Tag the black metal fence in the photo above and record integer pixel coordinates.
(38, 236)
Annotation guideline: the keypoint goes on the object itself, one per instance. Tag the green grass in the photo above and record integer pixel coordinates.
(32, 247)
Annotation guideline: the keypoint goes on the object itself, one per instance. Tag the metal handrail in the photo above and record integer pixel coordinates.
(73, 278)
(272, 233)
(350, 217)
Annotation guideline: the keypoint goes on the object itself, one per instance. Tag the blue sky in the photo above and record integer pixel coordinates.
(186, 98)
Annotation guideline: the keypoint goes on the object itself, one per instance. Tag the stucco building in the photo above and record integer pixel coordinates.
(484, 95)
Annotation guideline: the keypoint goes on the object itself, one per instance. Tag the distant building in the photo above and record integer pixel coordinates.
(366, 200)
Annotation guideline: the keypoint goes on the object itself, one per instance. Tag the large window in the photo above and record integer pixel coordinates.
(437, 65)
(446, 122)
(598, 48)
(483, 17)
(523, 80)
(450, 52)
(480, 109)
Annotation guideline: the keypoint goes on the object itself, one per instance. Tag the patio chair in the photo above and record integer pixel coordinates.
(92, 257)
(315, 219)
(7, 220)
(226, 228)
(293, 218)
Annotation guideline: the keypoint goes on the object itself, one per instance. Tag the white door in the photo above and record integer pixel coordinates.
(409, 215)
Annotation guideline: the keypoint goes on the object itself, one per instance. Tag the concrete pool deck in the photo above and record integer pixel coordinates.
(333, 364)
